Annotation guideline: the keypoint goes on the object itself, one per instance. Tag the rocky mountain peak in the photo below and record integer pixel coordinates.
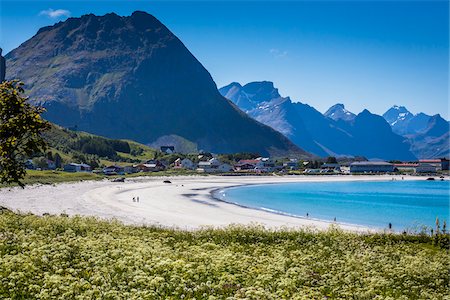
(338, 112)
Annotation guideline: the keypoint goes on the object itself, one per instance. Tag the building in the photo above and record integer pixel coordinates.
(260, 164)
(441, 164)
(114, 170)
(185, 163)
(292, 164)
(224, 168)
(425, 168)
(130, 169)
(73, 167)
(371, 167)
(167, 149)
(331, 167)
(213, 166)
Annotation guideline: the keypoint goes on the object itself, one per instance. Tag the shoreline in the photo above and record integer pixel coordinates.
(281, 213)
(186, 203)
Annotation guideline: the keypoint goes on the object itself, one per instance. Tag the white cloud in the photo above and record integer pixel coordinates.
(277, 53)
(55, 13)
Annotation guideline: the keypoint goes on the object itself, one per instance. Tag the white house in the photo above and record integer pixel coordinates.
(213, 165)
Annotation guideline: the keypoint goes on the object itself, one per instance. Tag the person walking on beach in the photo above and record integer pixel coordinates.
(137, 198)
(134, 199)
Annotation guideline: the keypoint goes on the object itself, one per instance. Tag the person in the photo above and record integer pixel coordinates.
(137, 198)
(134, 199)
(335, 219)
(307, 215)
(390, 225)
(2, 67)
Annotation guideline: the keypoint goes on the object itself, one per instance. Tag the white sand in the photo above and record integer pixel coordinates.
(186, 203)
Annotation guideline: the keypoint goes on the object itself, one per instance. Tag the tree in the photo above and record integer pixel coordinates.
(331, 160)
(58, 160)
(21, 126)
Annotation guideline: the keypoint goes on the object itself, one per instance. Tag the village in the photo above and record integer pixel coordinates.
(206, 163)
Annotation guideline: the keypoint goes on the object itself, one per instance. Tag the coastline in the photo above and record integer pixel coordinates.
(186, 203)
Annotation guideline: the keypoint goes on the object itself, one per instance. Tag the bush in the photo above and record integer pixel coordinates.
(84, 258)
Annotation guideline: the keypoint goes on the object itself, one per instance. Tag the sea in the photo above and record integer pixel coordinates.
(406, 205)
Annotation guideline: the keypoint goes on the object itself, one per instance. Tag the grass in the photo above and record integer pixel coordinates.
(56, 257)
(53, 177)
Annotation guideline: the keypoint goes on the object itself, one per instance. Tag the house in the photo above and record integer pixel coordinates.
(157, 165)
(130, 169)
(73, 167)
(167, 149)
(244, 167)
(441, 164)
(213, 165)
(292, 164)
(205, 167)
(185, 163)
(331, 167)
(371, 167)
(114, 170)
(29, 165)
(265, 164)
(149, 167)
(224, 168)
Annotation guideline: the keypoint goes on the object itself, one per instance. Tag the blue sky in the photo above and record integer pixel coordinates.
(365, 54)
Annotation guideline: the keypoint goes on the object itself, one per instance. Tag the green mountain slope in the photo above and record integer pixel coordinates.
(74, 146)
(132, 78)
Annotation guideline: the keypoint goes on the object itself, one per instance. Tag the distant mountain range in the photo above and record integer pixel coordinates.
(338, 132)
(131, 77)
(428, 135)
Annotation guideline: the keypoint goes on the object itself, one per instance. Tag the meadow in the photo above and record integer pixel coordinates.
(58, 257)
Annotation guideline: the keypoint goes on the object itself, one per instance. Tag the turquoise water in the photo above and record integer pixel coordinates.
(405, 204)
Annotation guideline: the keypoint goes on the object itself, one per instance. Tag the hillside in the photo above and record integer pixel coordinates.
(75, 146)
(132, 78)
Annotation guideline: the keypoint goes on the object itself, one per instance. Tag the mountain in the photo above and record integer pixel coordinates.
(340, 134)
(338, 112)
(131, 77)
(433, 141)
(428, 135)
(398, 117)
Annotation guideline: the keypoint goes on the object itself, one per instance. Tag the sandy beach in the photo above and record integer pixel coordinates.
(185, 203)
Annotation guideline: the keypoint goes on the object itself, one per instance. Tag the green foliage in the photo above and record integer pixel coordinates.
(58, 160)
(84, 258)
(95, 145)
(20, 128)
(87, 148)
(331, 160)
(40, 162)
(232, 158)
